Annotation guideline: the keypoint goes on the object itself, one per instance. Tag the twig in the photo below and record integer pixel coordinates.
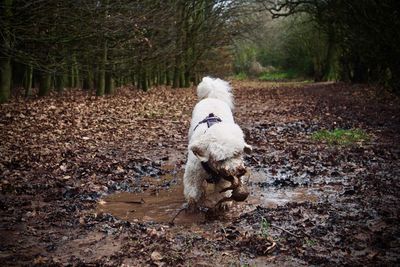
(287, 231)
(225, 233)
(306, 234)
(177, 214)
(141, 201)
(272, 246)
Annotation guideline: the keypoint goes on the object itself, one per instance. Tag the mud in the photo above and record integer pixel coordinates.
(162, 205)
(158, 205)
(87, 181)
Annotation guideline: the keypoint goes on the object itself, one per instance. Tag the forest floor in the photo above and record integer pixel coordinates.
(96, 181)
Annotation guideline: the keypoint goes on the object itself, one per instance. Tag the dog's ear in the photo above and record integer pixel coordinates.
(247, 148)
(200, 152)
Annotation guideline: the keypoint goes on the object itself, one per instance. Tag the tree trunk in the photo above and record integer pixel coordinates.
(89, 81)
(176, 81)
(133, 78)
(143, 80)
(187, 79)
(60, 82)
(102, 72)
(109, 89)
(27, 83)
(161, 76)
(5, 80)
(71, 80)
(45, 83)
(5, 61)
(181, 79)
(318, 72)
(167, 77)
(327, 71)
(77, 81)
(177, 75)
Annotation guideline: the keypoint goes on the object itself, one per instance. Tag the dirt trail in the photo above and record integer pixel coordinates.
(74, 170)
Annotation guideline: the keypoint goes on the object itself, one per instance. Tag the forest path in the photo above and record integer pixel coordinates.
(63, 158)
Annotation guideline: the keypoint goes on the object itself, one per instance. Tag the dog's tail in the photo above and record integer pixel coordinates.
(215, 88)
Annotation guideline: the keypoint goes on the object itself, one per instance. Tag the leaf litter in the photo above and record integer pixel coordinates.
(64, 157)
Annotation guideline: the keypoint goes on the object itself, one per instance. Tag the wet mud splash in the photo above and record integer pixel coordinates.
(162, 204)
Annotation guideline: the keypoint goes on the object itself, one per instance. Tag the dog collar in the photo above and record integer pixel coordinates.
(211, 119)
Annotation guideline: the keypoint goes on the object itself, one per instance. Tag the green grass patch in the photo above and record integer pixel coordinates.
(341, 137)
(278, 76)
(265, 225)
(240, 76)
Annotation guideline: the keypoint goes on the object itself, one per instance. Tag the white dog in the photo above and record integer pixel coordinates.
(216, 142)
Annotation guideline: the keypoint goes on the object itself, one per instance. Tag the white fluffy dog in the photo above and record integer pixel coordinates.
(216, 143)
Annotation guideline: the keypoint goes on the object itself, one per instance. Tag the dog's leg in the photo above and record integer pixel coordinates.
(193, 184)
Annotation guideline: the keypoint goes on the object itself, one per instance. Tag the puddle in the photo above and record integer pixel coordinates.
(272, 196)
(161, 204)
(153, 205)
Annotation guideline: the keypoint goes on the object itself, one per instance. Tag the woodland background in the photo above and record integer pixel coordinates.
(97, 97)
(98, 45)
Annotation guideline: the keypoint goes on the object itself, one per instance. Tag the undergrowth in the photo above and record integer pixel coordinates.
(278, 76)
(240, 76)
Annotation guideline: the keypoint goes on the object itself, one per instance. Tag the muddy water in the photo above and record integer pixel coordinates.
(271, 197)
(161, 204)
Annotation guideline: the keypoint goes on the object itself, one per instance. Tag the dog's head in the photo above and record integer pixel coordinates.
(222, 147)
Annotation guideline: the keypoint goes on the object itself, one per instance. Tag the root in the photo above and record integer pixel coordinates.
(286, 231)
(271, 247)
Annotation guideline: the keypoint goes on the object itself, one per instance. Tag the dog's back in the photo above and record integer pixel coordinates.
(215, 96)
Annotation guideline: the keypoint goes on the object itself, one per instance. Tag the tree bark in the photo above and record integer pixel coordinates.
(102, 72)
(143, 79)
(5, 60)
(167, 77)
(110, 84)
(177, 77)
(45, 83)
(5, 80)
(27, 83)
(89, 81)
(60, 82)
(330, 55)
